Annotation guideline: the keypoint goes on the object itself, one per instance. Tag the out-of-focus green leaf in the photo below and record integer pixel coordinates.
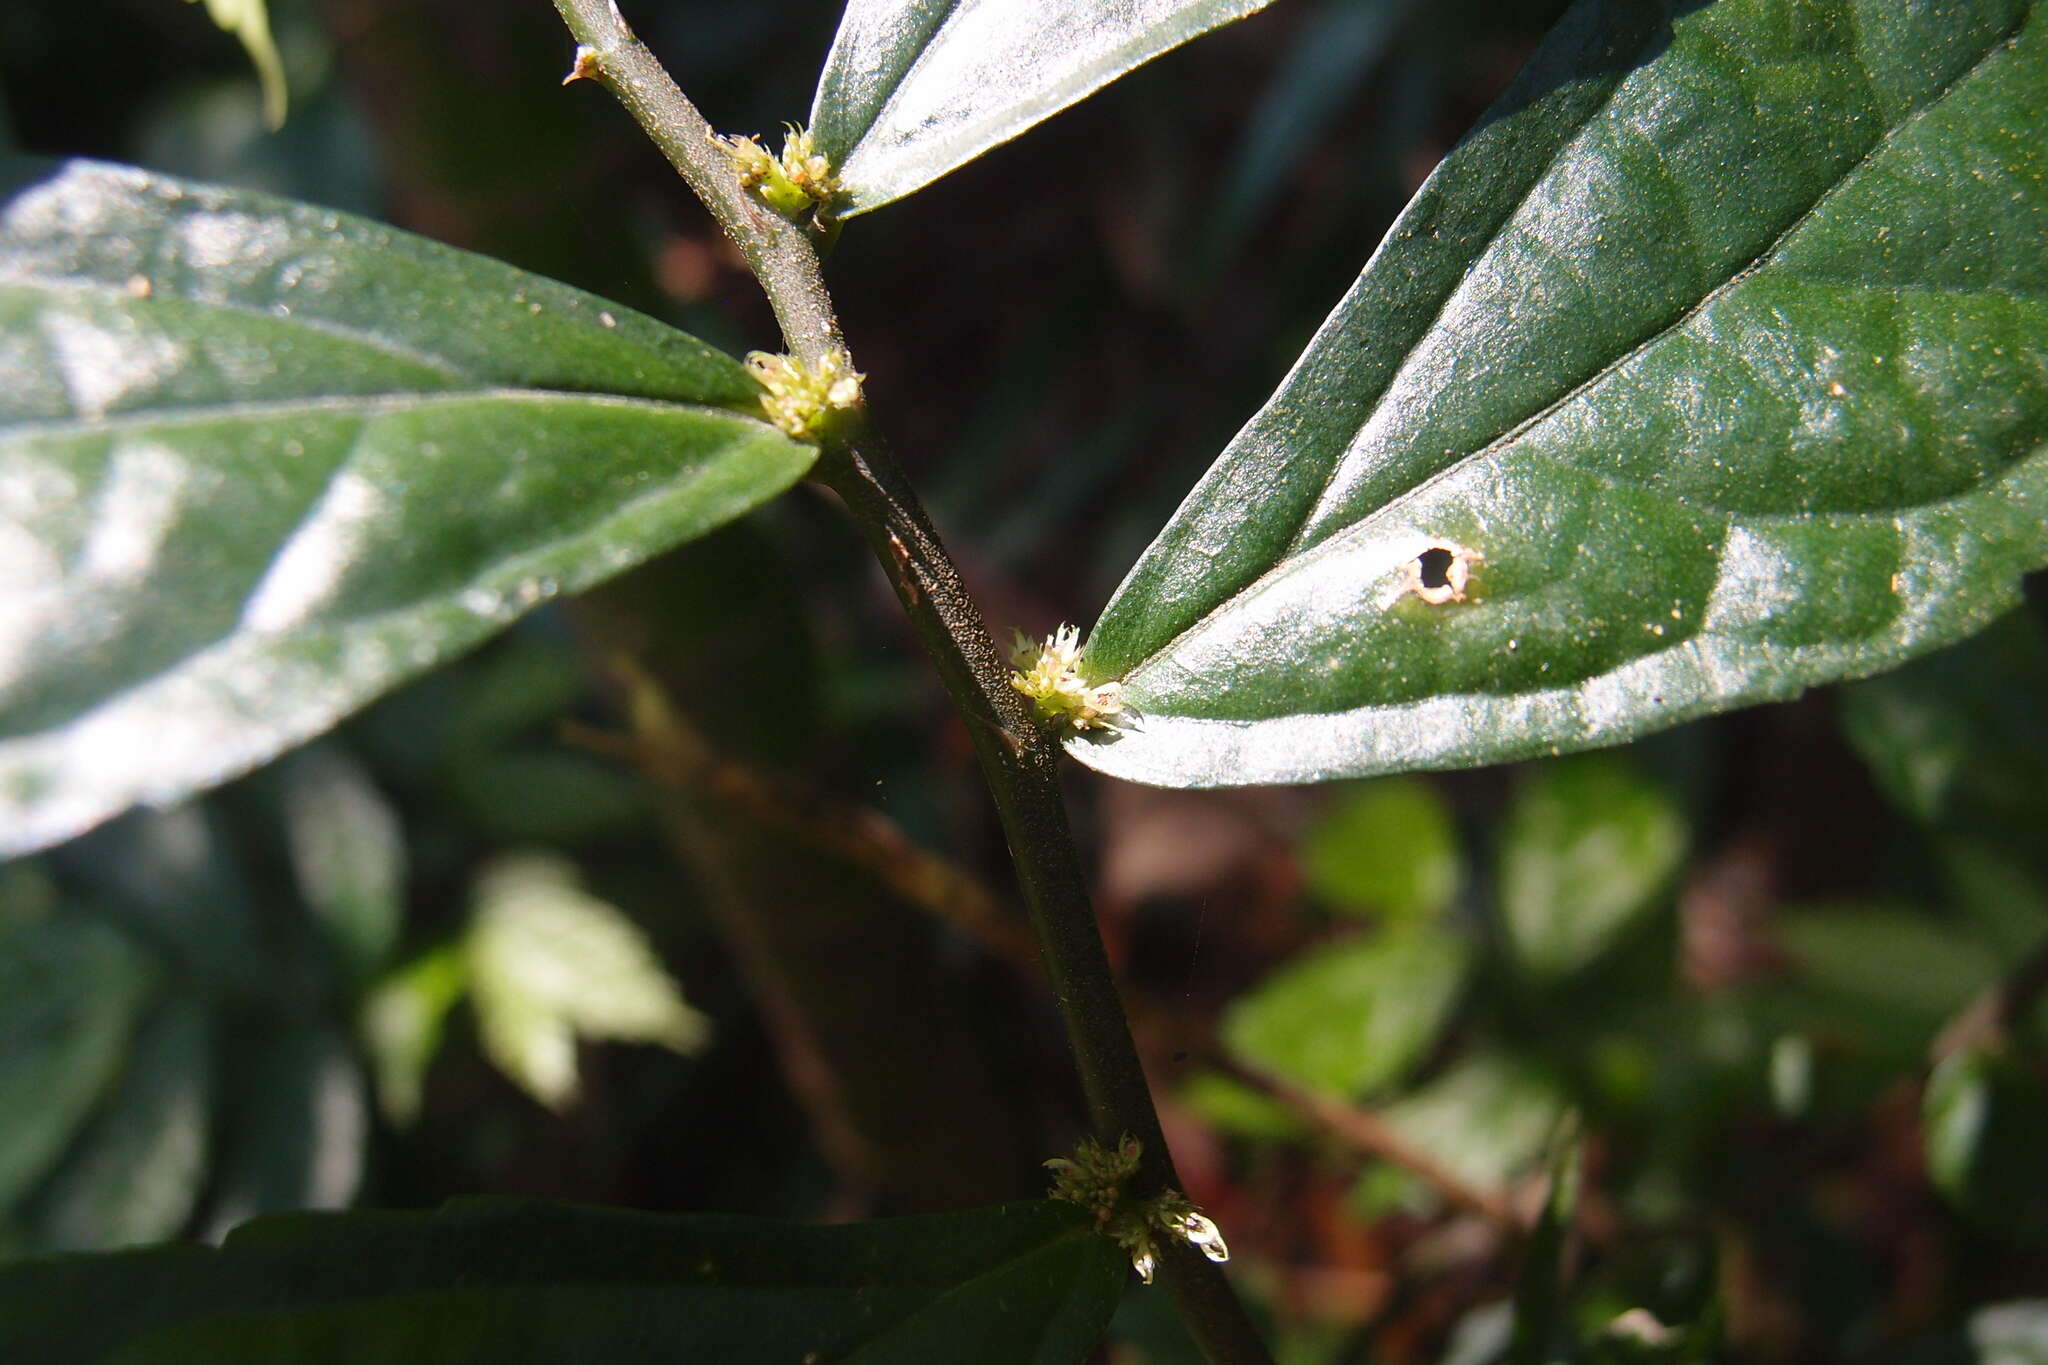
(915, 88)
(1352, 1016)
(172, 881)
(1386, 848)
(1233, 1107)
(348, 853)
(297, 1126)
(538, 1284)
(1488, 1119)
(249, 20)
(1986, 1118)
(1590, 847)
(1716, 355)
(402, 1021)
(71, 989)
(260, 462)
(1959, 739)
(549, 963)
(135, 1172)
(1899, 969)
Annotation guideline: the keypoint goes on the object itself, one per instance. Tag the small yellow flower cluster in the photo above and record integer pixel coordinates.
(1095, 1177)
(800, 179)
(1051, 676)
(802, 400)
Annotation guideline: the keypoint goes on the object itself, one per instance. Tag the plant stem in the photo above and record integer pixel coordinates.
(1018, 758)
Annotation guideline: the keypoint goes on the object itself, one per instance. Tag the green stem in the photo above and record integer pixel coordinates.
(1018, 757)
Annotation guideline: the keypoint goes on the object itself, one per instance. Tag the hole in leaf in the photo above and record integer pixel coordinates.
(1440, 573)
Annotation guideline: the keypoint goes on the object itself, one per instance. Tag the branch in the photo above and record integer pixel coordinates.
(666, 748)
(1990, 1018)
(776, 249)
(1018, 758)
(1372, 1135)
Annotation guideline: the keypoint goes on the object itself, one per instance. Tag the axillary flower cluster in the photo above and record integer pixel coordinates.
(805, 399)
(1050, 674)
(799, 181)
(1095, 1177)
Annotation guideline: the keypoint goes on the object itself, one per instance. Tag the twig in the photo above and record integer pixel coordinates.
(1018, 759)
(1372, 1135)
(666, 748)
(1994, 1014)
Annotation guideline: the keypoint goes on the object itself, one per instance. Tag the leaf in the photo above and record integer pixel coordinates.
(1984, 1113)
(1488, 1118)
(1958, 740)
(348, 855)
(1351, 1016)
(1388, 847)
(517, 1282)
(134, 1174)
(1589, 848)
(70, 992)
(549, 962)
(261, 462)
(1908, 970)
(403, 1018)
(298, 1133)
(1715, 356)
(915, 88)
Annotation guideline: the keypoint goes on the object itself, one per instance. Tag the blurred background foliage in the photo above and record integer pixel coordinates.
(685, 896)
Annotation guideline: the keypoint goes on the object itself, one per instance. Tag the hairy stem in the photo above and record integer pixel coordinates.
(1018, 758)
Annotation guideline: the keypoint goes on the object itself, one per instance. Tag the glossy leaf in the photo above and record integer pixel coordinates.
(915, 88)
(1715, 356)
(261, 462)
(538, 1284)
(1589, 847)
(1352, 1016)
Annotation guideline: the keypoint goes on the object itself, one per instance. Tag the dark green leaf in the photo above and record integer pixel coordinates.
(70, 991)
(1352, 1016)
(260, 462)
(915, 88)
(1985, 1114)
(1721, 343)
(1905, 969)
(517, 1283)
(134, 1174)
(1590, 846)
(1388, 848)
(348, 855)
(298, 1129)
